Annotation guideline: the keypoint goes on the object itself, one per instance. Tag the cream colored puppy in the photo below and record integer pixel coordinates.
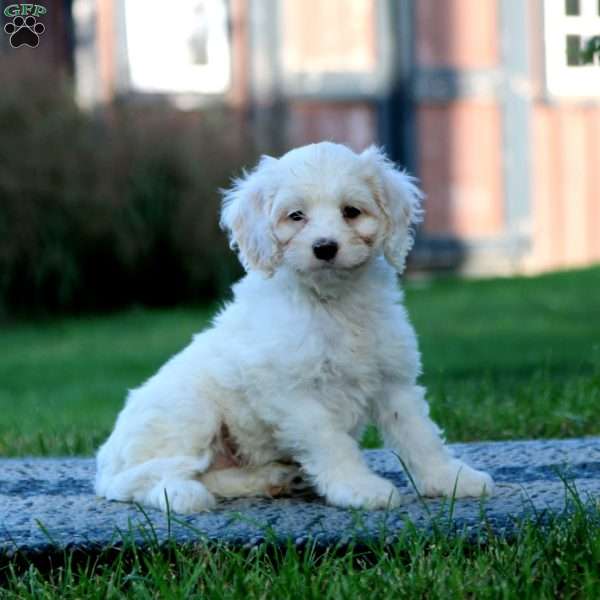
(314, 345)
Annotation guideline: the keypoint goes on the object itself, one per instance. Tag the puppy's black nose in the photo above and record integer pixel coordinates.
(325, 249)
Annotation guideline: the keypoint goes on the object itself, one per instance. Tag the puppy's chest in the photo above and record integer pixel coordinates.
(343, 350)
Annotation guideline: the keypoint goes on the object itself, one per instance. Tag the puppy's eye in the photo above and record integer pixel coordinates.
(350, 212)
(297, 215)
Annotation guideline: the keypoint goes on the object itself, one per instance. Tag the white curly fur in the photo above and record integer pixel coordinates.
(307, 353)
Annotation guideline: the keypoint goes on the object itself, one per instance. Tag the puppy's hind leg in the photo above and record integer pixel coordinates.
(162, 441)
(270, 480)
(164, 483)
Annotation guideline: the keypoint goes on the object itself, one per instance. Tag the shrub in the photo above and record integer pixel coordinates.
(99, 211)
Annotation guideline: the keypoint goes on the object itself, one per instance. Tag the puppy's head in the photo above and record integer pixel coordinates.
(321, 207)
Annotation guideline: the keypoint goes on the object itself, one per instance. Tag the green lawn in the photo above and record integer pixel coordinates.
(560, 561)
(505, 358)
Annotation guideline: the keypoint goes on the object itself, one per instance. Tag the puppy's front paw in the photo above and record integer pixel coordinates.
(455, 478)
(370, 492)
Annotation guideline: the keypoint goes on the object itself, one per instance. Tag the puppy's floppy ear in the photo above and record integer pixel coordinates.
(245, 216)
(399, 199)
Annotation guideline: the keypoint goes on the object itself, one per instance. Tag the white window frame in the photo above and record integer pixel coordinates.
(563, 80)
(158, 54)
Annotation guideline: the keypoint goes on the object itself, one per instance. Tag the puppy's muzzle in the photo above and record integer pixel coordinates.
(325, 249)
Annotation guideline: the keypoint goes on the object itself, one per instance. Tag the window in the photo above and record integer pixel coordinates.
(178, 50)
(569, 25)
(572, 8)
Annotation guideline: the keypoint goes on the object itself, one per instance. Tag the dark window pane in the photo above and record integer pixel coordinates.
(573, 50)
(572, 7)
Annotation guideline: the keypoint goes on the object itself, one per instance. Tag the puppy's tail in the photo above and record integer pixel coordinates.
(134, 483)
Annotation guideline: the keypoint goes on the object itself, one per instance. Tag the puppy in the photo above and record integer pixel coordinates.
(315, 345)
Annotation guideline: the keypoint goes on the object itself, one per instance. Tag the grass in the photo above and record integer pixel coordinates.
(505, 358)
(558, 560)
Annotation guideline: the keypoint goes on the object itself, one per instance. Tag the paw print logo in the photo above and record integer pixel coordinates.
(24, 32)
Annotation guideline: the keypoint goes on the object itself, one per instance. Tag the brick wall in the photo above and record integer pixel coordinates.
(464, 142)
(566, 191)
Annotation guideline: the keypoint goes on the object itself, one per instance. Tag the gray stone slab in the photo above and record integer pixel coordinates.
(49, 503)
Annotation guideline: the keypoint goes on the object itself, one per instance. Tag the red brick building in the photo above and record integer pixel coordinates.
(485, 100)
